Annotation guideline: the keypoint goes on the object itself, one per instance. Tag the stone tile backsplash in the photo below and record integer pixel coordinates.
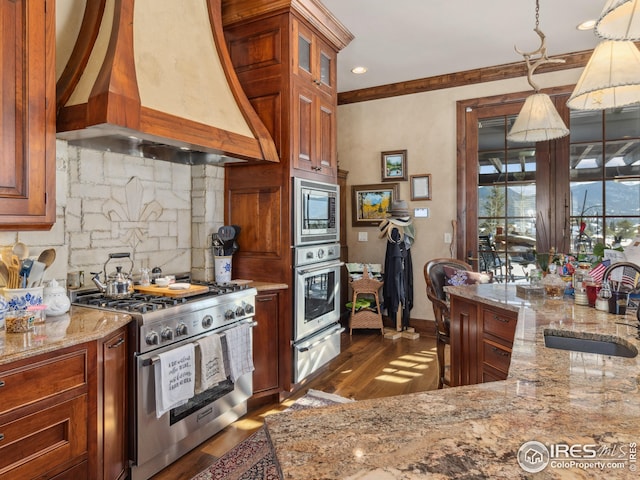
(162, 213)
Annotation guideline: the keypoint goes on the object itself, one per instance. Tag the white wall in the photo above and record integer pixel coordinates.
(162, 213)
(425, 125)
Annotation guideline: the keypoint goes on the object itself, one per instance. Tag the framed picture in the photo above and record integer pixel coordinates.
(394, 166)
(370, 203)
(421, 187)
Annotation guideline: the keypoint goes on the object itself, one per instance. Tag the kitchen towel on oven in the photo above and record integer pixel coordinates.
(239, 351)
(209, 363)
(174, 378)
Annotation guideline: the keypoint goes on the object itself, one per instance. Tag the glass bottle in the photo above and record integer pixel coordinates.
(553, 285)
(581, 278)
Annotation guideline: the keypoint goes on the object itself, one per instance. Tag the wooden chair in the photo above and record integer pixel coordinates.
(436, 280)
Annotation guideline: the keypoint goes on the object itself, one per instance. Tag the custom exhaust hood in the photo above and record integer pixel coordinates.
(153, 78)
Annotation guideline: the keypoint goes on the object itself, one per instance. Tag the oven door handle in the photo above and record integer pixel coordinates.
(317, 267)
(155, 358)
(330, 334)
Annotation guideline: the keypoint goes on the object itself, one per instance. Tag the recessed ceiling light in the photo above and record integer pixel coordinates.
(587, 25)
(359, 70)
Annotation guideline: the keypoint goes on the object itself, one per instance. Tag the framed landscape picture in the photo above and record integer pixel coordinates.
(370, 203)
(394, 166)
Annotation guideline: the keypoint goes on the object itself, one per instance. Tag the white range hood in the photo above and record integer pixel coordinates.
(153, 78)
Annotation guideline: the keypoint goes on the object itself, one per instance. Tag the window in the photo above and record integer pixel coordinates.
(604, 177)
(570, 193)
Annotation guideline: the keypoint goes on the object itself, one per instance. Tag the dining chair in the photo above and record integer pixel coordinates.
(434, 274)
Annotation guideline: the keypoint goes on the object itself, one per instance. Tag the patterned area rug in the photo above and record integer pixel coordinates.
(254, 458)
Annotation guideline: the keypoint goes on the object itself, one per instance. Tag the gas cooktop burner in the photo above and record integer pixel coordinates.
(138, 302)
(221, 288)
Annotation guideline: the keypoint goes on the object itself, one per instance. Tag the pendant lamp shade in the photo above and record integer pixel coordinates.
(610, 79)
(537, 121)
(620, 20)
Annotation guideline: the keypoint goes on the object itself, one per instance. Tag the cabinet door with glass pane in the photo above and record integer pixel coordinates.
(314, 60)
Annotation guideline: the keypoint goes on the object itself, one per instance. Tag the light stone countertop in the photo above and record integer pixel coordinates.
(78, 326)
(551, 396)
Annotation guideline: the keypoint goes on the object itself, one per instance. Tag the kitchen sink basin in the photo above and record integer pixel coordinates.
(612, 346)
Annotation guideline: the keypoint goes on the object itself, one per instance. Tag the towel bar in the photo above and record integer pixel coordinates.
(155, 359)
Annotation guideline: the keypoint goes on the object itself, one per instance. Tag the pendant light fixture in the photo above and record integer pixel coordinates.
(538, 119)
(612, 76)
(620, 20)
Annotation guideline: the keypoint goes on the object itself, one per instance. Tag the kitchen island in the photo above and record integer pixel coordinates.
(588, 402)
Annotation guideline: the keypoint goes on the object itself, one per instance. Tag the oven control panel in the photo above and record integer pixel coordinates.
(176, 328)
(311, 254)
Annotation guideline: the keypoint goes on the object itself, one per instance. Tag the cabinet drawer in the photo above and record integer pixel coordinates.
(492, 375)
(499, 324)
(496, 355)
(74, 473)
(31, 383)
(41, 442)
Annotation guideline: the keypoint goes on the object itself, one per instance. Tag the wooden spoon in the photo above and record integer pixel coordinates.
(47, 257)
(20, 250)
(4, 274)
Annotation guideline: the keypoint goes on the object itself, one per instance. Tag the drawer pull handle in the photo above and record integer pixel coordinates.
(500, 352)
(1, 383)
(500, 319)
(1, 436)
(118, 343)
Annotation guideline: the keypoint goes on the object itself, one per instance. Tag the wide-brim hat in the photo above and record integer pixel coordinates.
(399, 209)
(399, 213)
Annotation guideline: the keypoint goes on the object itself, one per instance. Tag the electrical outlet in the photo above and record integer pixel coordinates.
(363, 236)
(447, 237)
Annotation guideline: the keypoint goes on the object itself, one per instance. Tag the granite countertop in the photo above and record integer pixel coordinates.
(555, 397)
(79, 325)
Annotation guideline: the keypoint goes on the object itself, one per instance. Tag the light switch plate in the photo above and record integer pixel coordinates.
(363, 236)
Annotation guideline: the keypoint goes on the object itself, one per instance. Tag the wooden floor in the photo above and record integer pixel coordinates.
(368, 366)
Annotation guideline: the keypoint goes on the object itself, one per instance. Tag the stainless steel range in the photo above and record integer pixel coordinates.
(161, 324)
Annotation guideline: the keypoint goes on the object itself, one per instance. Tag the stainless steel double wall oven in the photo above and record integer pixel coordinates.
(317, 267)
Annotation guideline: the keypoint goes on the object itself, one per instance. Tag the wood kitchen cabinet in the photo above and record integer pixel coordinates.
(266, 361)
(112, 458)
(315, 102)
(44, 406)
(27, 122)
(293, 91)
(481, 341)
(63, 414)
(287, 68)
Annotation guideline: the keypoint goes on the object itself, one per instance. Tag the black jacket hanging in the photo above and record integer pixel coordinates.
(398, 277)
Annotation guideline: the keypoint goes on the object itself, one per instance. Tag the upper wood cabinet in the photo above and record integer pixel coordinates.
(314, 59)
(285, 58)
(314, 139)
(27, 115)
